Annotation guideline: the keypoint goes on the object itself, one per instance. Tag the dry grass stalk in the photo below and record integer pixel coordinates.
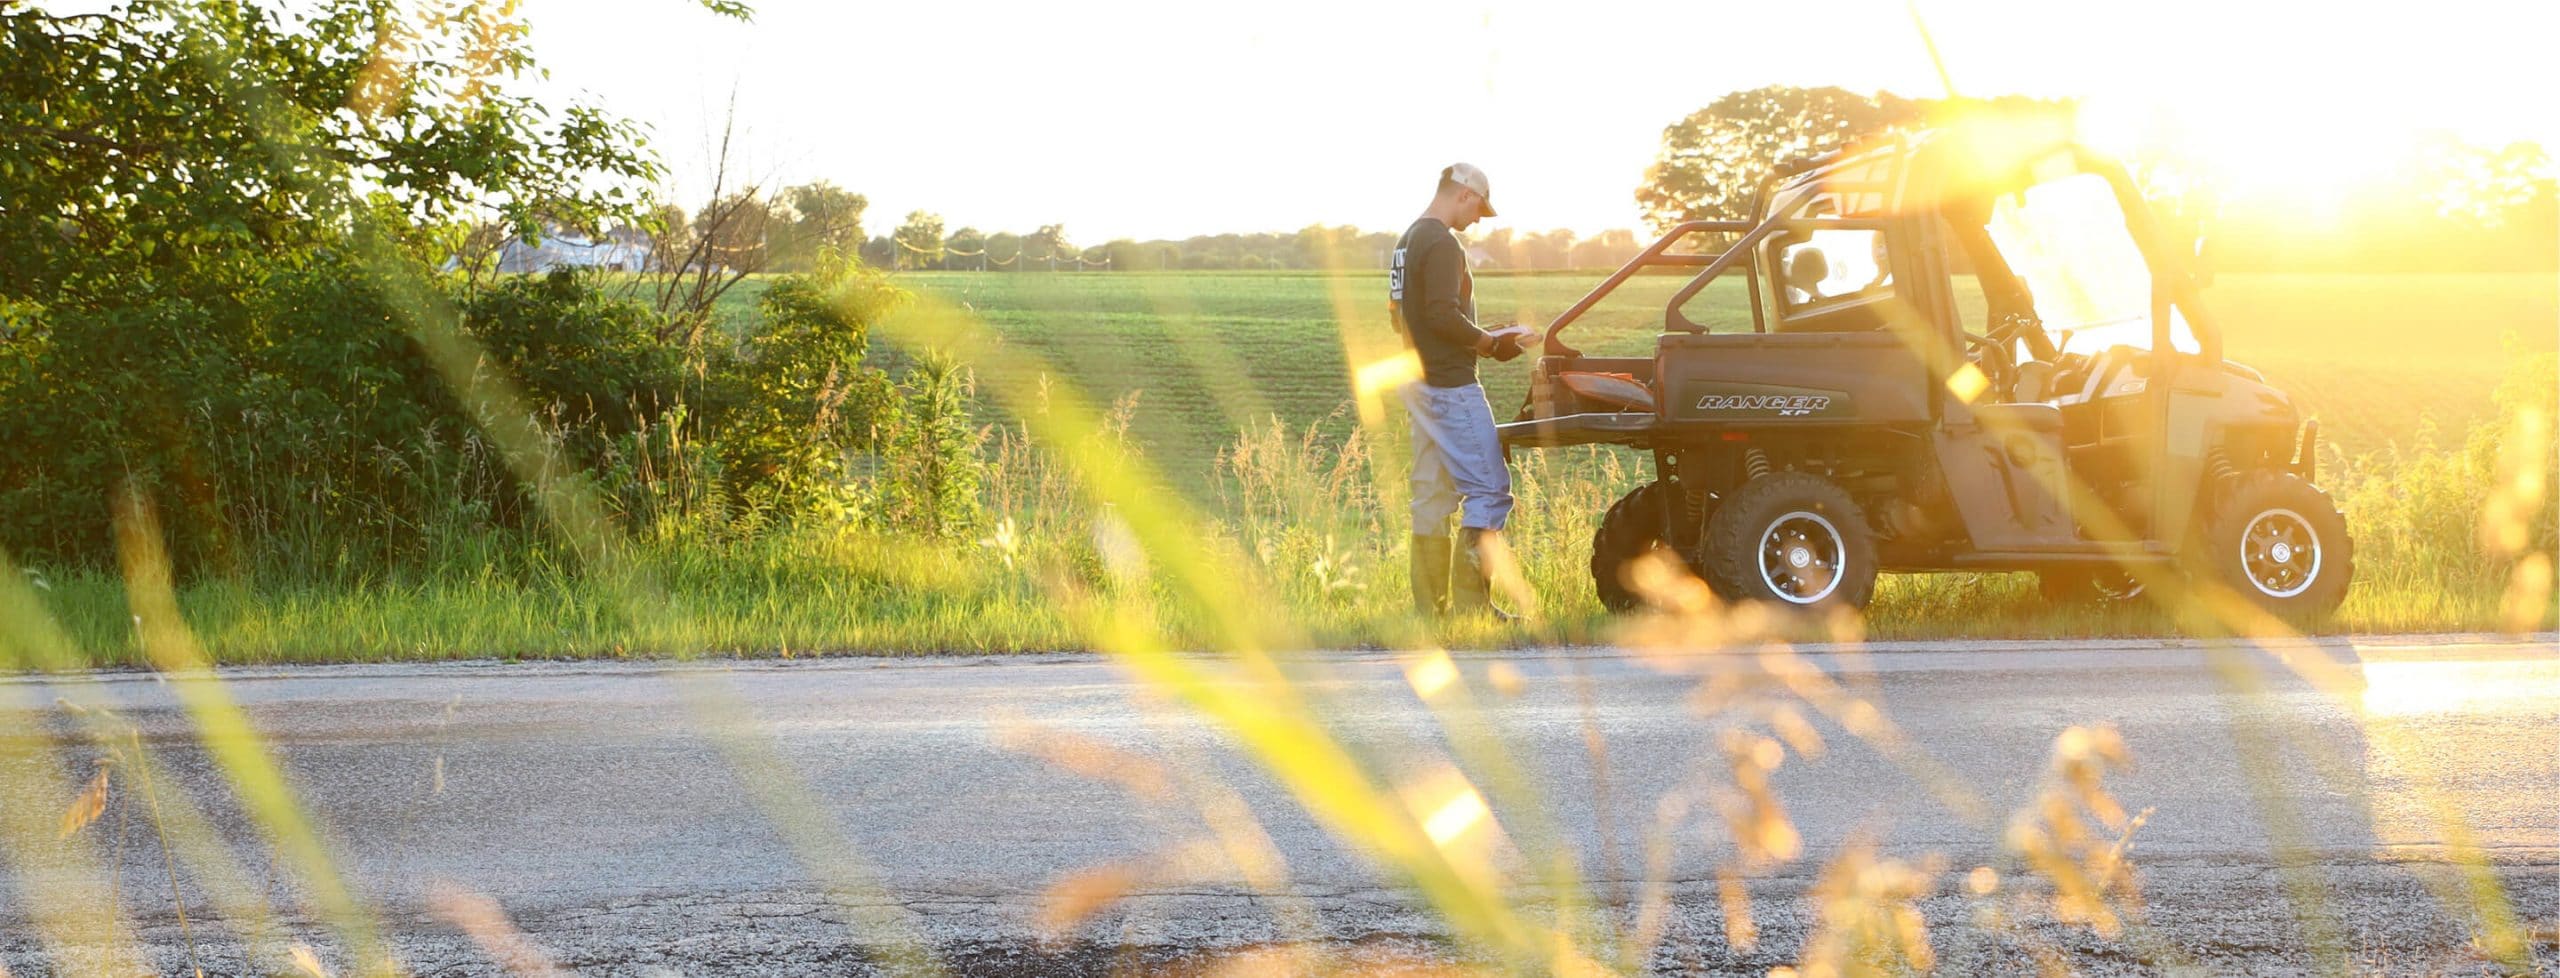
(487, 925)
(89, 804)
(1086, 757)
(2063, 833)
(1078, 896)
(307, 961)
(1865, 922)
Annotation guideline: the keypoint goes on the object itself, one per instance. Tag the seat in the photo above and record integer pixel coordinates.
(1576, 384)
(2031, 417)
(1623, 391)
(2035, 381)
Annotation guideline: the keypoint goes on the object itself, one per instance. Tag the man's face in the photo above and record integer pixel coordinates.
(1470, 208)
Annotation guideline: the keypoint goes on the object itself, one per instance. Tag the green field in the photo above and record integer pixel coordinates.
(1211, 357)
(2384, 361)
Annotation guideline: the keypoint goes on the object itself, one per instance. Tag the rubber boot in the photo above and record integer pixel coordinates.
(1470, 579)
(1430, 575)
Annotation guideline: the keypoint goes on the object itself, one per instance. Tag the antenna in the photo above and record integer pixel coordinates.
(1935, 60)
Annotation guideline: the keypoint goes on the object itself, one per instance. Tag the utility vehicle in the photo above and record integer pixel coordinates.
(2074, 417)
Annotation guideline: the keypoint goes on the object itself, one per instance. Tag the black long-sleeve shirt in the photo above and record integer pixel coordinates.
(1434, 298)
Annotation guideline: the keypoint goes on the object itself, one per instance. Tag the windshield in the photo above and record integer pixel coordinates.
(2066, 239)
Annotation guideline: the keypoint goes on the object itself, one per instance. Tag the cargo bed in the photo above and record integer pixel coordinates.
(1596, 428)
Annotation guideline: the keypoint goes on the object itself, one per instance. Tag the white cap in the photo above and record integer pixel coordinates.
(1466, 175)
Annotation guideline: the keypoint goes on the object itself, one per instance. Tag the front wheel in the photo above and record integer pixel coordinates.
(2280, 543)
(1793, 539)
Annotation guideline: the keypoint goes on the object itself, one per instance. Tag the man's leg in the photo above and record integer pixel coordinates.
(1472, 450)
(1435, 499)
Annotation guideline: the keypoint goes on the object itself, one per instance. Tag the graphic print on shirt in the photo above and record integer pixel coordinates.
(1395, 277)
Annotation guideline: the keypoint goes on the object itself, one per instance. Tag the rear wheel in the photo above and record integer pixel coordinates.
(2280, 543)
(1632, 528)
(1793, 539)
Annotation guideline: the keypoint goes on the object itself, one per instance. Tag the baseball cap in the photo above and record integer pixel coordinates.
(1466, 175)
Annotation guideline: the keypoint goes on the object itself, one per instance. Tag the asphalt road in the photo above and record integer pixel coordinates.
(621, 816)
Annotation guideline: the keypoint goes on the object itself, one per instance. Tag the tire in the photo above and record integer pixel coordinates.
(2089, 585)
(2280, 543)
(1793, 539)
(1630, 529)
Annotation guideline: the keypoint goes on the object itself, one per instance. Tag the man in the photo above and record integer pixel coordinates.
(1458, 465)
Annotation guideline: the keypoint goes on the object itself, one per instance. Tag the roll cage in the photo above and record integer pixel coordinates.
(1899, 188)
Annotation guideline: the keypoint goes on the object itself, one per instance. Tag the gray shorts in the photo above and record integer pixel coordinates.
(1457, 459)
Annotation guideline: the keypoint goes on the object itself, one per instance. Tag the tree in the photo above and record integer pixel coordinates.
(2491, 187)
(1319, 246)
(1047, 245)
(919, 240)
(967, 248)
(1128, 255)
(1609, 249)
(879, 252)
(734, 231)
(1712, 162)
(1497, 247)
(218, 251)
(671, 237)
(122, 127)
(824, 218)
(1005, 251)
(1546, 249)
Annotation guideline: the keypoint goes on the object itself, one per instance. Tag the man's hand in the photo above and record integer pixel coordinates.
(1506, 342)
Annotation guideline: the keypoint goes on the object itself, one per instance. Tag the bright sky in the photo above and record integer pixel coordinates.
(1168, 118)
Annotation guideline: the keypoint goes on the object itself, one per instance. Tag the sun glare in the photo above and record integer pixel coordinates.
(2314, 162)
(2411, 686)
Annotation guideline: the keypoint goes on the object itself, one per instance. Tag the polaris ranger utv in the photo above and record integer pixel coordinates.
(2083, 425)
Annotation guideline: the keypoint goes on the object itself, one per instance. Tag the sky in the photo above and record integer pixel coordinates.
(1169, 118)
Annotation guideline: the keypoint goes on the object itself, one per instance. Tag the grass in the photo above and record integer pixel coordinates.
(2384, 361)
(1234, 386)
(1296, 542)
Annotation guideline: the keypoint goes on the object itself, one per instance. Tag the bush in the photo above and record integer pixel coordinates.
(929, 447)
(2462, 521)
(302, 428)
(596, 366)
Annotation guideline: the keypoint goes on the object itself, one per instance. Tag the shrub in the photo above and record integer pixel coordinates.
(2460, 521)
(301, 427)
(792, 402)
(930, 464)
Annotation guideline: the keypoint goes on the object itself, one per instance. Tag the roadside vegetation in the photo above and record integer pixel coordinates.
(900, 511)
(904, 510)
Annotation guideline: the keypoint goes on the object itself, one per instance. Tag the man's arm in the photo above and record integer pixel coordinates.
(1440, 314)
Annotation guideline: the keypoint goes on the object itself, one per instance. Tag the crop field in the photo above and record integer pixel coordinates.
(2387, 363)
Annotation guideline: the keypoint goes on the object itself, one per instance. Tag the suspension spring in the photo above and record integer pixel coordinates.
(1755, 463)
(1694, 514)
(2224, 475)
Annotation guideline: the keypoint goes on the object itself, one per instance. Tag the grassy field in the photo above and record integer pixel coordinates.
(2385, 362)
(2398, 368)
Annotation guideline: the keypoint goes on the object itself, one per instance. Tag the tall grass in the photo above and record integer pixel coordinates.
(1317, 519)
(1074, 548)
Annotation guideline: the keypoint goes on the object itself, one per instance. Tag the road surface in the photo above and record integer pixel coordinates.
(617, 815)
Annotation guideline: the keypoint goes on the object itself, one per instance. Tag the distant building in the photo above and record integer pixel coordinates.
(619, 250)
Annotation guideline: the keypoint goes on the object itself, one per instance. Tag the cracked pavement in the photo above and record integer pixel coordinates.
(618, 814)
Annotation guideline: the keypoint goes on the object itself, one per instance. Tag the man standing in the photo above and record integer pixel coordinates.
(1458, 465)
